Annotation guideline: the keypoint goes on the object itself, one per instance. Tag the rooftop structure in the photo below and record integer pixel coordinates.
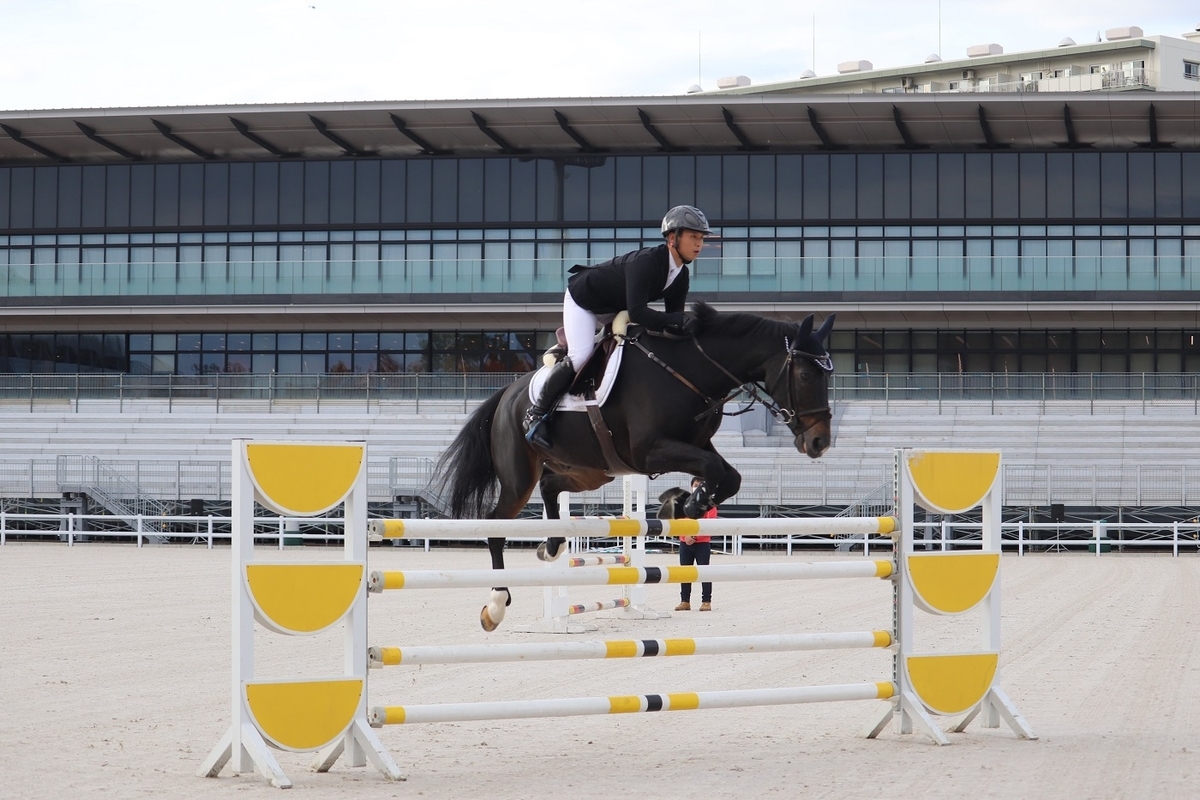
(1126, 60)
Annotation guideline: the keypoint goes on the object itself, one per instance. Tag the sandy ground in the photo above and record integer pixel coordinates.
(115, 665)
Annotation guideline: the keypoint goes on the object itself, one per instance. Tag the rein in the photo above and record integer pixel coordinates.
(784, 414)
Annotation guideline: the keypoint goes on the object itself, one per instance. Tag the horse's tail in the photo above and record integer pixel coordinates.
(468, 476)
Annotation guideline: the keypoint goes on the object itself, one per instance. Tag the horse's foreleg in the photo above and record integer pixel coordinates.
(554, 484)
(708, 495)
(492, 614)
(706, 464)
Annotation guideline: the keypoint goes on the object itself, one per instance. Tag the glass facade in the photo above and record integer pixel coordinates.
(1030, 226)
(593, 190)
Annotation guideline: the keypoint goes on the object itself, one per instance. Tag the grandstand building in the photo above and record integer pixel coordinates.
(1033, 213)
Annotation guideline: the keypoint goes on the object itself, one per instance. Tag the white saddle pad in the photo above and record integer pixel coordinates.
(572, 402)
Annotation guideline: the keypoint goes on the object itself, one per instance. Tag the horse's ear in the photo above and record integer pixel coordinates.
(805, 328)
(822, 333)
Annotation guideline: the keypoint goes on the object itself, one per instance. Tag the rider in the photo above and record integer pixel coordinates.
(630, 282)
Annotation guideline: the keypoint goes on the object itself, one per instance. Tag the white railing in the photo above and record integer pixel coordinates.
(1021, 538)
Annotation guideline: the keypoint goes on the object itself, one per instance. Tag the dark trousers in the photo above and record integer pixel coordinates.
(699, 554)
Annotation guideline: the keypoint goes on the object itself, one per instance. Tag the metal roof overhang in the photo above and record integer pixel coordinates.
(554, 127)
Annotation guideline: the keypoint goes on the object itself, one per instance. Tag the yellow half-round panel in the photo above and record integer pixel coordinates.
(303, 715)
(951, 684)
(951, 583)
(302, 599)
(303, 479)
(951, 483)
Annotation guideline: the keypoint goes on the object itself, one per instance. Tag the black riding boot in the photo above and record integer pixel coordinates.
(556, 385)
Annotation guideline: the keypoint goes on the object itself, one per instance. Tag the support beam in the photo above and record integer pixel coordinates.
(819, 130)
(185, 144)
(16, 136)
(100, 140)
(323, 129)
(736, 130)
(427, 148)
(583, 143)
(653, 131)
(244, 130)
(500, 141)
(909, 142)
(1155, 142)
(1069, 124)
(988, 138)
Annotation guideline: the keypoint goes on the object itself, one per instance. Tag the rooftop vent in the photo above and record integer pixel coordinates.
(808, 73)
(847, 67)
(1067, 41)
(977, 50)
(695, 87)
(1117, 34)
(932, 58)
(1193, 36)
(733, 82)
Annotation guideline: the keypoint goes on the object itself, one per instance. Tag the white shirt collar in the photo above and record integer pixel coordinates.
(673, 270)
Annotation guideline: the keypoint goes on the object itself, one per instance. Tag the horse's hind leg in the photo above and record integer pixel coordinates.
(516, 486)
(492, 614)
(552, 485)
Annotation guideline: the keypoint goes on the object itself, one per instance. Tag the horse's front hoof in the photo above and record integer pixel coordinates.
(485, 620)
(698, 503)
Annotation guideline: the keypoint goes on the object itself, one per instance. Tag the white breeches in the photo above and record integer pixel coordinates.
(580, 325)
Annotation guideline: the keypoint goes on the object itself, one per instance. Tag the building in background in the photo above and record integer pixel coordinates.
(1026, 213)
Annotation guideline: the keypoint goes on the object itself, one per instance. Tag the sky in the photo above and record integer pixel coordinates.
(138, 53)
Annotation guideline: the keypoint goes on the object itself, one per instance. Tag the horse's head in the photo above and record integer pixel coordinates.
(800, 385)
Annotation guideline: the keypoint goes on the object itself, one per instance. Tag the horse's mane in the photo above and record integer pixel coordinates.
(735, 324)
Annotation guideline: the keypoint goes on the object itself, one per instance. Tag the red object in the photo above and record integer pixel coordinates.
(710, 514)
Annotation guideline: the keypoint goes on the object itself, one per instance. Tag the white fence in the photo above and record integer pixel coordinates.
(1018, 537)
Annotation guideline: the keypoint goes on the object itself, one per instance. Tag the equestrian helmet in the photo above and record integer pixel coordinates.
(686, 218)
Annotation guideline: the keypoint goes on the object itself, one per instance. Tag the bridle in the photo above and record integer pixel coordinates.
(759, 392)
(788, 414)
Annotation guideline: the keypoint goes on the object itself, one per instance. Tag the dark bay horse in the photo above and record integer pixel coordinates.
(660, 422)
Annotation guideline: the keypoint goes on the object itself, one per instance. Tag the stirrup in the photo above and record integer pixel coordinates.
(531, 419)
(539, 434)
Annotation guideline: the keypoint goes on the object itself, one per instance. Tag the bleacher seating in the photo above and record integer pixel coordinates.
(1116, 445)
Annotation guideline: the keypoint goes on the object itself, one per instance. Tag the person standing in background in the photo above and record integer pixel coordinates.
(696, 550)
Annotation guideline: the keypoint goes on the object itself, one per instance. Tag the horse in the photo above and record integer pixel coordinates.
(663, 409)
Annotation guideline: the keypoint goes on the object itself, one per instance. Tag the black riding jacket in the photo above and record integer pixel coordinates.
(630, 282)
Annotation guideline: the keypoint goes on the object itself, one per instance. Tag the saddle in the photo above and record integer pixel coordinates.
(589, 375)
(588, 378)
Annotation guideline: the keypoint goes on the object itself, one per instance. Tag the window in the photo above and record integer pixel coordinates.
(1027, 77)
(1191, 70)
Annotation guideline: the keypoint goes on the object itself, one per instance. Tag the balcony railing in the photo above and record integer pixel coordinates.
(1080, 392)
(732, 272)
